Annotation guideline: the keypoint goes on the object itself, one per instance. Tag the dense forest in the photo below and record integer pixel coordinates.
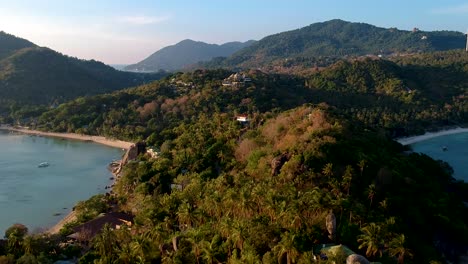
(401, 99)
(263, 191)
(39, 78)
(338, 38)
(314, 165)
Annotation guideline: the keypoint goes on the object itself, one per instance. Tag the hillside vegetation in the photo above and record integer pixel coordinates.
(265, 193)
(11, 44)
(338, 38)
(32, 76)
(313, 165)
(377, 93)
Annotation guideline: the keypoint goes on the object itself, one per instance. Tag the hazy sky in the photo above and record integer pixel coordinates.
(126, 31)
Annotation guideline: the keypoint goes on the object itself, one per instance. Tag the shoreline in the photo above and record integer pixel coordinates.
(71, 216)
(428, 135)
(96, 139)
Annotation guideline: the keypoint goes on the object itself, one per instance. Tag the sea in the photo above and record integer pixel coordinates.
(41, 197)
(450, 148)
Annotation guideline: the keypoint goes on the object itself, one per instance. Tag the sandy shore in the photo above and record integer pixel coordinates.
(70, 217)
(96, 139)
(429, 135)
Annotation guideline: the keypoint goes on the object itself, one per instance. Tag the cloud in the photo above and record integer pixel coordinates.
(144, 20)
(451, 10)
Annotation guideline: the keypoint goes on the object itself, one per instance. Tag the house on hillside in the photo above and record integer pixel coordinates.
(236, 80)
(153, 152)
(242, 118)
(88, 230)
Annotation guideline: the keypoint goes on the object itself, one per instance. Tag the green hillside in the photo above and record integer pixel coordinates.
(338, 38)
(378, 93)
(316, 147)
(185, 53)
(9, 44)
(31, 76)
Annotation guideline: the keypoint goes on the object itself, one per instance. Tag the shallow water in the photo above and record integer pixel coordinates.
(40, 197)
(456, 154)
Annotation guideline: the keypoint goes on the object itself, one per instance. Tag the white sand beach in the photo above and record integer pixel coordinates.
(97, 139)
(429, 135)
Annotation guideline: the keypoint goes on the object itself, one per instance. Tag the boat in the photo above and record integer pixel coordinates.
(444, 148)
(43, 165)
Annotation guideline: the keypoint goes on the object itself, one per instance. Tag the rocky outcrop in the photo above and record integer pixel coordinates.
(331, 225)
(133, 152)
(278, 162)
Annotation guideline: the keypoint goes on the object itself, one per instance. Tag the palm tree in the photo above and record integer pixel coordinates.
(28, 245)
(362, 165)
(286, 247)
(249, 256)
(371, 193)
(328, 170)
(208, 250)
(347, 178)
(398, 249)
(371, 239)
(185, 215)
(105, 242)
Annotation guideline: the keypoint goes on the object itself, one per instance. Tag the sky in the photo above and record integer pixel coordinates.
(127, 31)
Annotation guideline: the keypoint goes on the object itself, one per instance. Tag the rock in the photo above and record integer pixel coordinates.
(356, 259)
(331, 225)
(278, 162)
(133, 152)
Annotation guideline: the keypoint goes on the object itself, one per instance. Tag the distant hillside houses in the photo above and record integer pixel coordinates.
(153, 152)
(236, 79)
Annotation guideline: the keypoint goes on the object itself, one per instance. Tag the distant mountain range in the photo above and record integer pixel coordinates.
(338, 38)
(185, 53)
(36, 75)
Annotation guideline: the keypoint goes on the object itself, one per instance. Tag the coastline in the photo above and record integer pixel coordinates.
(96, 139)
(428, 135)
(71, 216)
(55, 229)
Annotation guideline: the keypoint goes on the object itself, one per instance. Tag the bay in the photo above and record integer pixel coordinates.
(456, 152)
(40, 197)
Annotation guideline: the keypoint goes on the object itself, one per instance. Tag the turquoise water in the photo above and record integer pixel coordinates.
(456, 154)
(40, 197)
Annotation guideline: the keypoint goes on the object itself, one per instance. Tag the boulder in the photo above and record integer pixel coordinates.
(356, 259)
(278, 162)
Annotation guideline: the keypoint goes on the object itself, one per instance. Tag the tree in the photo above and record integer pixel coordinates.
(105, 243)
(19, 230)
(328, 170)
(287, 248)
(371, 239)
(15, 236)
(371, 193)
(347, 178)
(397, 248)
(362, 165)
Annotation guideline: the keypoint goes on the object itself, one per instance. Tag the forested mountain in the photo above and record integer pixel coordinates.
(379, 93)
(264, 191)
(316, 149)
(35, 75)
(9, 44)
(338, 38)
(185, 53)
